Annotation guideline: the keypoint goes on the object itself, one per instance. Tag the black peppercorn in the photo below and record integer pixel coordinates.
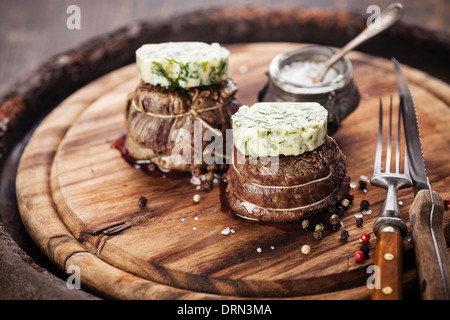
(344, 234)
(359, 222)
(335, 222)
(364, 205)
(362, 184)
(365, 249)
(318, 234)
(142, 201)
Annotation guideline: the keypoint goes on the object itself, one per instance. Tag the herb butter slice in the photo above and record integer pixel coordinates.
(182, 64)
(279, 128)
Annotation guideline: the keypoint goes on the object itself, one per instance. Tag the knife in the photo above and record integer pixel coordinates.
(426, 212)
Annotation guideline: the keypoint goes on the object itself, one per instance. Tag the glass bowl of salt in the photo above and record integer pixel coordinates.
(290, 78)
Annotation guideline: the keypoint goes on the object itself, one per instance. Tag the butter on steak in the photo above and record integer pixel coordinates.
(279, 128)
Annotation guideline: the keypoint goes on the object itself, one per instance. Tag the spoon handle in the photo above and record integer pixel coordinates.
(387, 18)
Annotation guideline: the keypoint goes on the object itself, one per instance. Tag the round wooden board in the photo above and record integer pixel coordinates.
(79, 199)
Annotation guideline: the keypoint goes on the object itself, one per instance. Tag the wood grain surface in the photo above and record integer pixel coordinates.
(86, 211)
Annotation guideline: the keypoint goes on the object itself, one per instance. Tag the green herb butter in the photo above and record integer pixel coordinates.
(279, 128)
(182, 64)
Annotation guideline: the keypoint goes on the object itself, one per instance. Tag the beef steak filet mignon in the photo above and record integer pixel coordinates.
(154, 114)
(289, 187)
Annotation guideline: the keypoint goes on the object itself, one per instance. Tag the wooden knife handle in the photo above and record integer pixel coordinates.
(389, 260)
(430, 279)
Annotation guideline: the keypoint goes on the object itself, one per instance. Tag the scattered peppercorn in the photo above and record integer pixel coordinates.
(319, 226)
(196, 198)
(364, 205)
(318, 234)
(350, 197)
(446, 203)
(209, 176)
(359, 255)
(344, 234)
(345, 203)
(306, 249)
(359, 222)
(335, 222)
(365, 237)
(305, 223)
(365, 250)
(142, 201)
(362, 184)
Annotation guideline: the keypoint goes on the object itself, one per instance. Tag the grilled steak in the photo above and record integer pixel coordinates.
(154, 114)
(289, 188)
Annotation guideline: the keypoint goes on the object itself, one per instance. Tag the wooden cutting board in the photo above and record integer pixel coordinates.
(78, 199)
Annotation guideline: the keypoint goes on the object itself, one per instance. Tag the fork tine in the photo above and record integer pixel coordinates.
(377, 164)
(397, 153)
(389, 142)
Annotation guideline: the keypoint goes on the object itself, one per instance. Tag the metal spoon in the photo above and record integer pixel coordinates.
(387, 18)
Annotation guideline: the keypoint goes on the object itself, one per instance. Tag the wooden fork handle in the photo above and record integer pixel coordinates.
(431, 284)
(389, 263)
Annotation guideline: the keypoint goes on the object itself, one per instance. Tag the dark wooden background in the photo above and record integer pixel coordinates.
(31, 31)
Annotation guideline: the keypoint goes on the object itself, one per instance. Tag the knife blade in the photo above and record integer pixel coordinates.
(426, 212)
(412, 134)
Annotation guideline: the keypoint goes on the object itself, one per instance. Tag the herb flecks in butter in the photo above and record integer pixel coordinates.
(182, 64)
(279, 128)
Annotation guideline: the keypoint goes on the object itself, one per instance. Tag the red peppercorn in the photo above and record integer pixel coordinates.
(350, 197)
(359, 255)
(365, 237)
(446, 203)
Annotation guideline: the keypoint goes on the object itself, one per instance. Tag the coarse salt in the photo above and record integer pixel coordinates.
(259, 250)
(302, 72)
(225, 231)
(363, 177)
(195, 180)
